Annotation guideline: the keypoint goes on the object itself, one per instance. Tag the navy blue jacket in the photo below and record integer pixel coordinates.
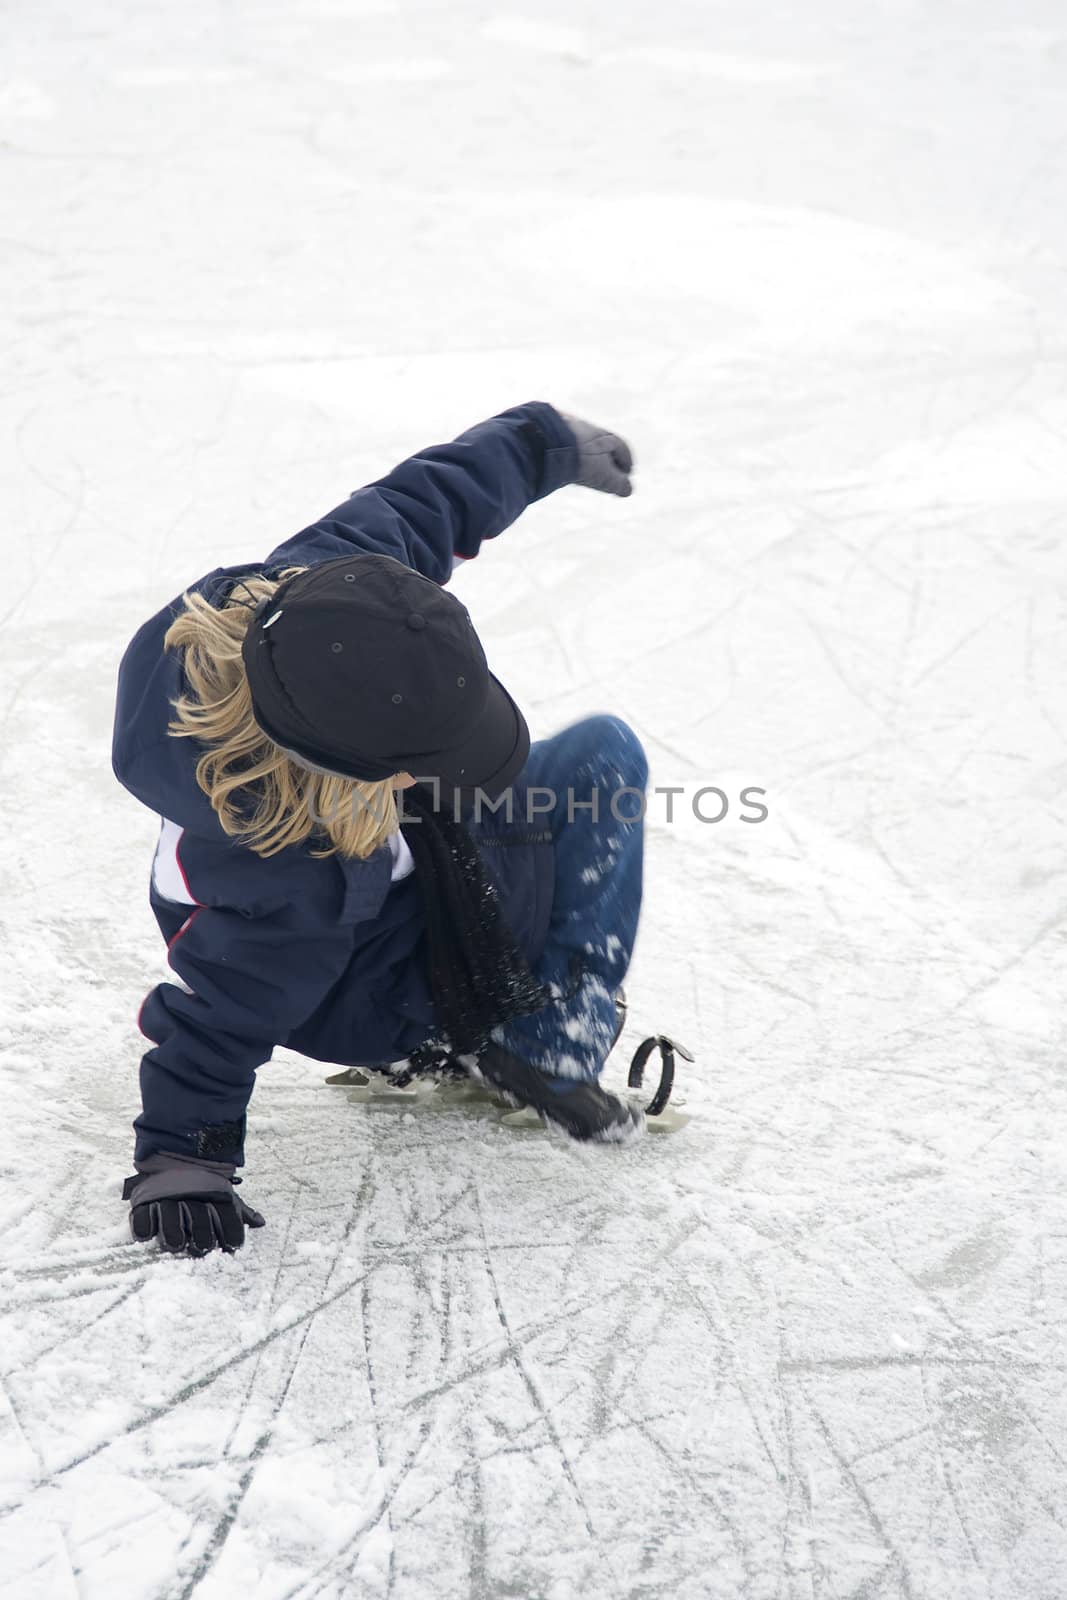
(323, 955)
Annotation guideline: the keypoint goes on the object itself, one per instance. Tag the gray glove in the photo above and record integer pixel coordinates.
(189, 1205)
(604, 460)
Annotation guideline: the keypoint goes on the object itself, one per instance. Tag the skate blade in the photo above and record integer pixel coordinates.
(669, 1120)
(421, 1095)
(524, 1120)
(374, 1092)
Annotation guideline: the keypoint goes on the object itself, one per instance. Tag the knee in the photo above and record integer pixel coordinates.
(611, 751)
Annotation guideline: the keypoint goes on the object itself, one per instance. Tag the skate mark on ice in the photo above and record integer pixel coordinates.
(75, 1332)
(893, 1555)
(16, 1413)
(946, 1471)
(194, 1386)
(798, 1483)
(227, 1518)
(342, 1559)
(272, 1297)
(872, 1363)
(302, 1589)
(1051, 926)
(604, 1405)
(680, 1472)
(921, 1432)
(726, 1345)
(477, 1541)
(122, 1257)
(466, 1193)
(376, 1421)
(495, 1359)
(514, 1354)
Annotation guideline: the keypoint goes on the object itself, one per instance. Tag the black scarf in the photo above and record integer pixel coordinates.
(478, 975)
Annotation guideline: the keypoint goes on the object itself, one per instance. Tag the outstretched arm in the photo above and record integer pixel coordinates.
(440, 504)
(243, 983)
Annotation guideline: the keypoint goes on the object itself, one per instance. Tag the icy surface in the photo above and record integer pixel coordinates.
(811, 261)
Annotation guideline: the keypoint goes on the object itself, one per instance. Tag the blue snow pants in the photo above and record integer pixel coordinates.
(587, 787)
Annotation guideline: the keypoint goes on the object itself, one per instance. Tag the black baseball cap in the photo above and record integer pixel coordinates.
(366, 668)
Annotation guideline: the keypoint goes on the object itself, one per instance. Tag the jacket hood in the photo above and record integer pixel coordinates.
(157, 768)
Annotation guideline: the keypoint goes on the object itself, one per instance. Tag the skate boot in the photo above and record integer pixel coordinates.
(581, 1109)
(436, 1059)
(620, 1015)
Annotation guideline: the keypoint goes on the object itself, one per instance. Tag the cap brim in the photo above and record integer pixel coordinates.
(494, 752)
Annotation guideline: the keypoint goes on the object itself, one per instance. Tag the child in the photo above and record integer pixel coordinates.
(276, 715)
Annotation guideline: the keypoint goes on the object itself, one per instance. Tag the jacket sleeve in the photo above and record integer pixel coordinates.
(441, 503)
(244, 982)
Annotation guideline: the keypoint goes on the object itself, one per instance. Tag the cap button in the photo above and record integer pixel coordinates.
(416, 620)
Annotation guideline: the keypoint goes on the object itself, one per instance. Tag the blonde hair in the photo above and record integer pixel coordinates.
(241, 764)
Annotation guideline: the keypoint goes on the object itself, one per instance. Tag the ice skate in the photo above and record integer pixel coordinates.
(579, 1108)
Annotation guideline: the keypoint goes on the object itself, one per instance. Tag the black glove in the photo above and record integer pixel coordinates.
(190, 1205)
(604, 460)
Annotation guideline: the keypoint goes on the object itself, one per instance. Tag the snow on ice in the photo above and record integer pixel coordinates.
(811, 263)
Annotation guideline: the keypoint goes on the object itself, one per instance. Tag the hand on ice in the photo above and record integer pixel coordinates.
(604, 460)
(190, 1207)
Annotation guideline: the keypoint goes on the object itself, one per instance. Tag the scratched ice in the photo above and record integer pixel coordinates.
(810, 260)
